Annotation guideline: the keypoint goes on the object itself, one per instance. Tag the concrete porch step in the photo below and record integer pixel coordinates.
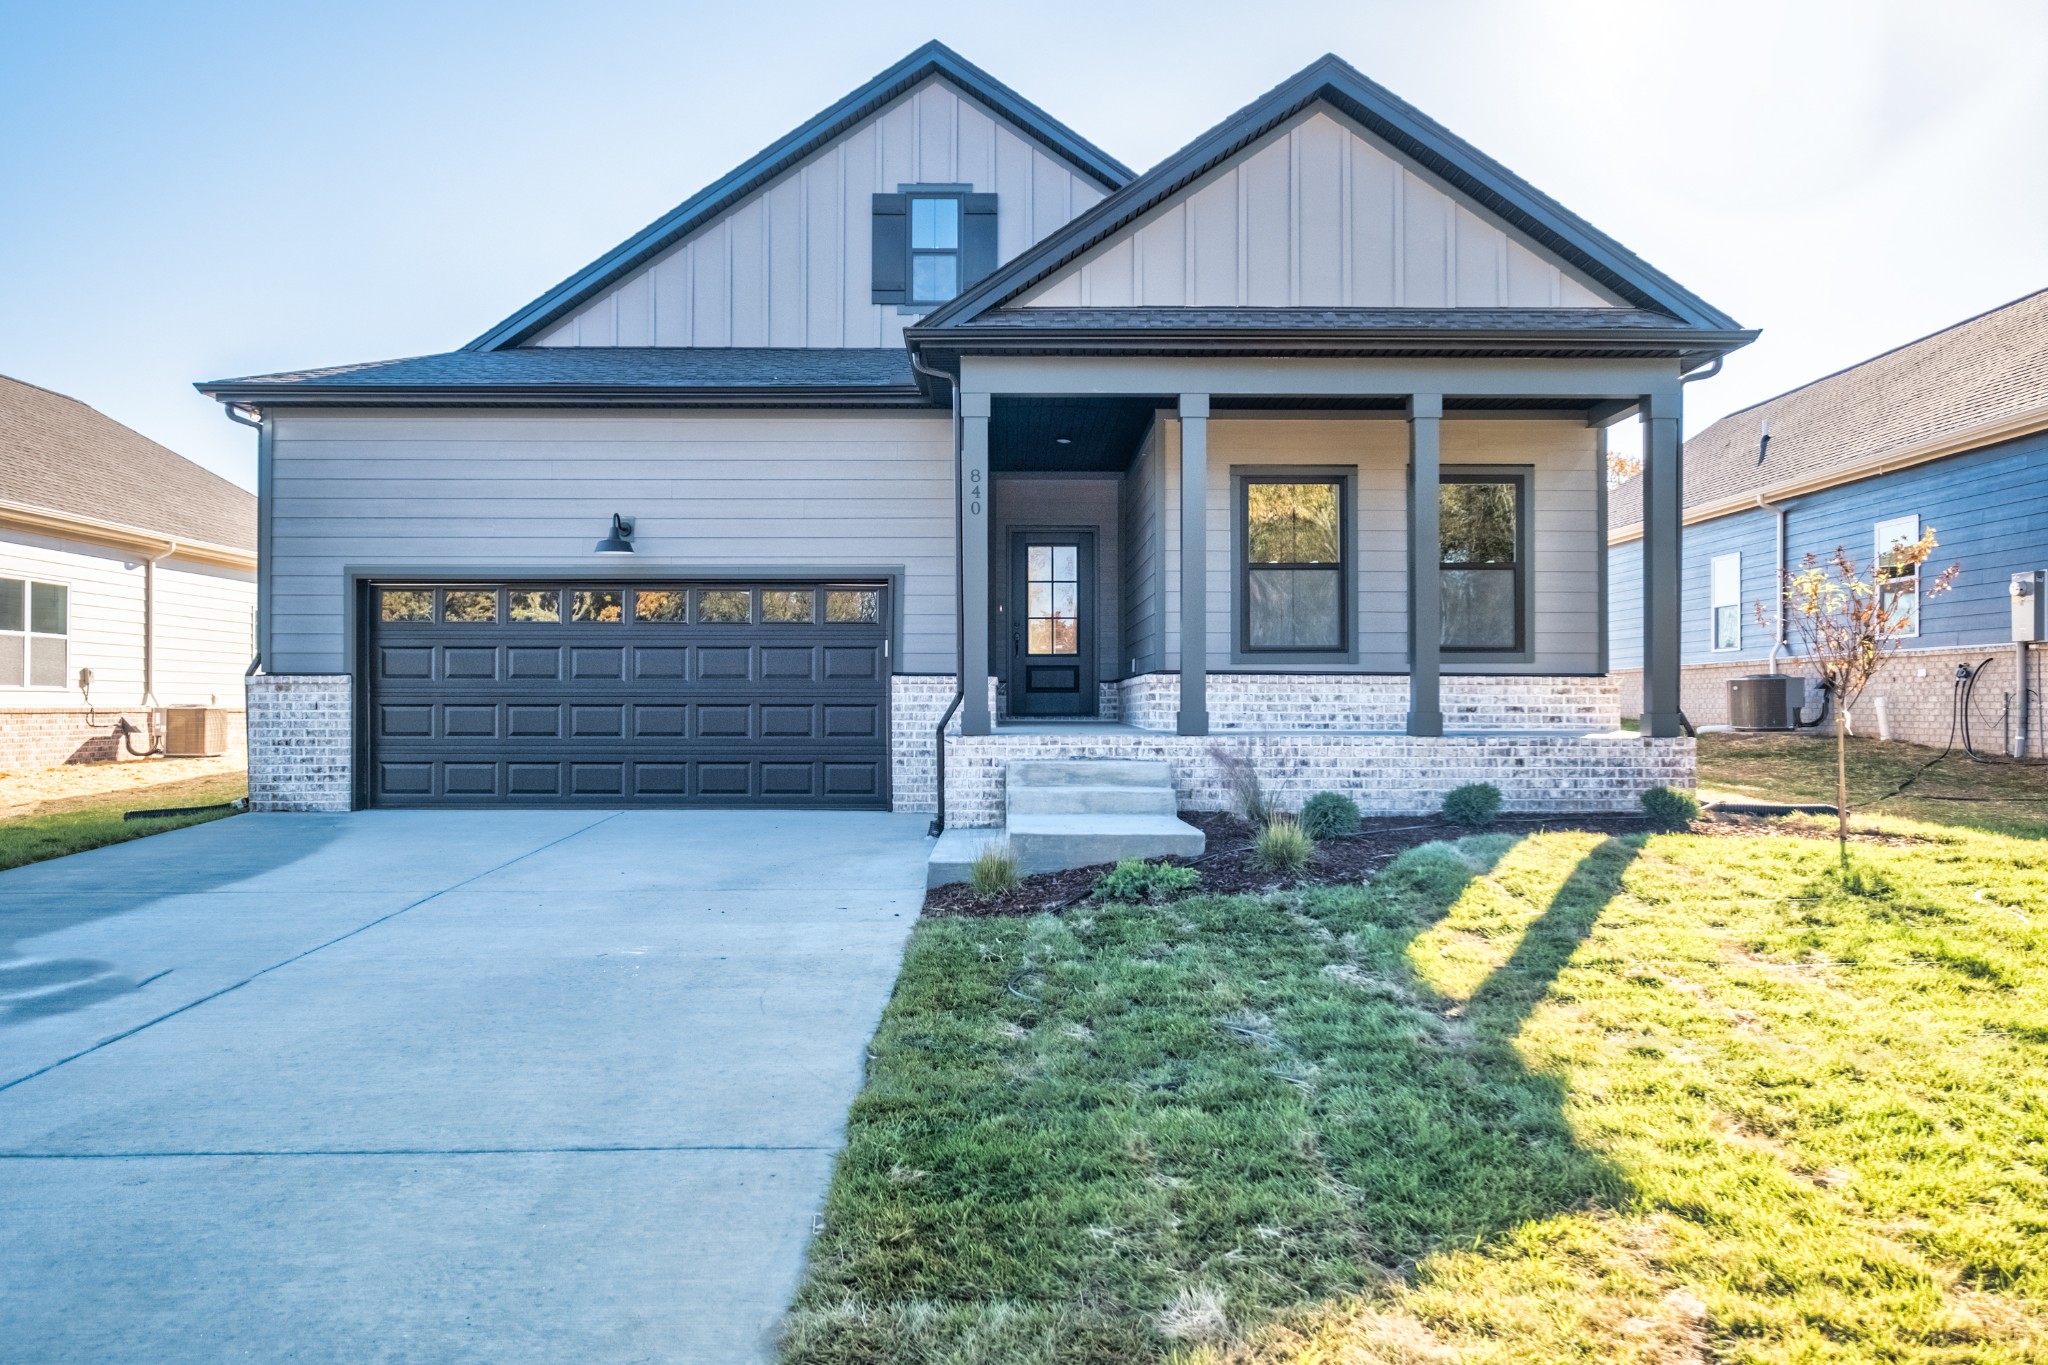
(1106, 800)
(955, 852)
(1053, 843)
(1088, 772)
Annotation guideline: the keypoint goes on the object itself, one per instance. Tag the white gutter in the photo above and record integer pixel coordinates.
(1955, 443)
(48, 521)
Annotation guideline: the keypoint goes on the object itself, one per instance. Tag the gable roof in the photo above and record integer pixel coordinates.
(1982, 380)
(933, 59)
(59, 455)
(1410, 133)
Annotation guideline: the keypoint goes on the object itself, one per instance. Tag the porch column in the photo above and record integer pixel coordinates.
(1663, 529)
(1194, 564)
(1425, 558)
(974, 534)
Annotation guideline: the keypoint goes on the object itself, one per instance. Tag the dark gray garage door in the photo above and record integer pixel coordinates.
(551, 693)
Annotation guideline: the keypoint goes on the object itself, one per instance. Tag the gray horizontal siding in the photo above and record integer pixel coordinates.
(714, 491)
(1988, 509)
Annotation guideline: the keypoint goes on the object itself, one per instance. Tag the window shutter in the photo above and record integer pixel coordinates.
(891, 271)
(977, 238)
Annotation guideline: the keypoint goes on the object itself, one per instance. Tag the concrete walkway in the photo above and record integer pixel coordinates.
(464, 1086)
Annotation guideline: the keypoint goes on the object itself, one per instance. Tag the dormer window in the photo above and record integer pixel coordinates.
(931, 242)
(934, 248)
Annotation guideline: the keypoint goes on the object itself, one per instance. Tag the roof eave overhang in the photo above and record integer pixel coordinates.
(1679, 343)
(268, 396)
(1869, 467)
(72, 526)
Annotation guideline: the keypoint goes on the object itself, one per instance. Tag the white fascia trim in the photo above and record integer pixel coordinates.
(70, 525)
(1955, 443)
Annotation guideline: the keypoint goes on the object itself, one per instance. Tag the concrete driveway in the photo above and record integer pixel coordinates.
(463, 1086)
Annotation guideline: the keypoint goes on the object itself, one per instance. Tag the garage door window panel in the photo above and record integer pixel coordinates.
(406, 604)
(853, 606)
(535, 606)
(725, 607)
(470, 606)
(782, 606)
(597, 606)
(661, 606)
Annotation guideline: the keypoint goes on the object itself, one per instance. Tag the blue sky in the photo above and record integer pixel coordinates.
(189, 191)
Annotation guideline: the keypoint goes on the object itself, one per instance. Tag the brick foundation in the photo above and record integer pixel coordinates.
(1377, 703)
(49, 739)
(301, 742)
(1917, 685)
(1385, 774)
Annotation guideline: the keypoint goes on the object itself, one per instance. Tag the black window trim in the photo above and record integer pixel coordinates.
(1241, 479)
(1523, 477)
(975, 251)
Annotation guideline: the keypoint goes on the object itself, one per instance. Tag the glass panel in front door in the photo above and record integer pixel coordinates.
(1052, 582)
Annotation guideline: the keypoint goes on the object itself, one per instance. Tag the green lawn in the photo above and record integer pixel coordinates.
(1524, 1098)
(56, 828)
(2008, 798)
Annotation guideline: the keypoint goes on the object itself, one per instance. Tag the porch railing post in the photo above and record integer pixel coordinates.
(1425, 558)
(1663, 530)
(974, 549)
(1194, 564)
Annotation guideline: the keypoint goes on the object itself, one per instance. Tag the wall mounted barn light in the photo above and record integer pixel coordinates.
(620, 540)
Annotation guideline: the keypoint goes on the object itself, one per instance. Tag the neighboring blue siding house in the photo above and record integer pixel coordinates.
(1949, 432)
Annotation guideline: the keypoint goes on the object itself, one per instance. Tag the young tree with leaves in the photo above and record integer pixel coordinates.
(1848, 623)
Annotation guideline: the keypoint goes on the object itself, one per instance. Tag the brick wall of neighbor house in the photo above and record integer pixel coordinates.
(1376, 702)
(1918, 686)
(1385, 774)
(48, 739)
(301, 742)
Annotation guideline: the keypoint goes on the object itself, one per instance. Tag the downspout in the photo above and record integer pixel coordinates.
(938, 825)
(149, 562)
(239, 412)
(1778, 510)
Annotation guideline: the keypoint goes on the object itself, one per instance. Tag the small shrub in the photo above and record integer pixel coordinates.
(993, 872)
(1245, 787)
(1283, 847)
(1473, 806)
(1329, 815)
(1134, 879)
(1670, 809)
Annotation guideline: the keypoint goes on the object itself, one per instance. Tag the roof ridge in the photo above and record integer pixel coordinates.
(1873, 359)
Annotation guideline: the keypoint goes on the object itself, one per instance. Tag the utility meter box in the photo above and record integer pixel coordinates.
(2030, 605)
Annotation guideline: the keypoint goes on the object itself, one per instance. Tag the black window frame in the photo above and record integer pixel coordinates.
(1346, 648)
(1522, 477)
(894, 259)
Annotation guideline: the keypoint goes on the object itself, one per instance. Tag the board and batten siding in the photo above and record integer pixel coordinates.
(1988, 509)
(1317, 214)
(511, 493)
(203, 637)
(1566, 539)
(790, 265)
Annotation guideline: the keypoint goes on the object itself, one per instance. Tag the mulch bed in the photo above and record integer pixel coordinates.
(1227, 869)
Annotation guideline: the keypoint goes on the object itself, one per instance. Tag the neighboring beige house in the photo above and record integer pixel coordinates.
(120, 558)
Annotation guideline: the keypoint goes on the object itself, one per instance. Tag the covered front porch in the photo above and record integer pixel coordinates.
(1115, 565)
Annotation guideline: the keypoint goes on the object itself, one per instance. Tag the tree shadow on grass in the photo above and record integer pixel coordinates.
(1438, 1123)
(1084, 1132)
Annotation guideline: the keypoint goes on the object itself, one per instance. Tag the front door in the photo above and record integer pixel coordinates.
(1052, 623)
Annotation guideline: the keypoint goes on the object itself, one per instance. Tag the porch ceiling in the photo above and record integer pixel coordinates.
(1068, 434)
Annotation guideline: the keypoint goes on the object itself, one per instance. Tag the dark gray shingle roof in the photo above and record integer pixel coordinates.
(572, 368)
(1982, 370)
(60, 455)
